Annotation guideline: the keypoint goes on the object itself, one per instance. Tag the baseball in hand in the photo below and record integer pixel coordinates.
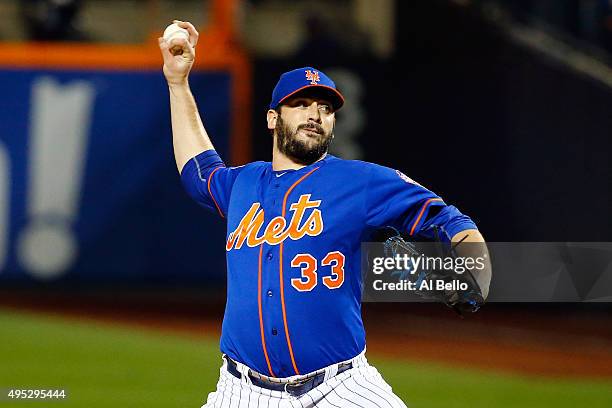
(174, 31)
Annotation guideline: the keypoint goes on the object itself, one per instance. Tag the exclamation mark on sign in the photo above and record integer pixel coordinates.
(5, 176)
(60, 121)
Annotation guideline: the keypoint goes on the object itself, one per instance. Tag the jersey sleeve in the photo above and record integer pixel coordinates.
(209, 182)
(393, 199)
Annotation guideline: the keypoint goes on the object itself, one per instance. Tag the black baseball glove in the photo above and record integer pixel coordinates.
(459, 291)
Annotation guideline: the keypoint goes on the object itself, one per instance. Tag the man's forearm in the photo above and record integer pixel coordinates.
(477, 248)
(188, 134)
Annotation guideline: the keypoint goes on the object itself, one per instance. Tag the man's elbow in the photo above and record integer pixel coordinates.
(478, 251)
(469, 235)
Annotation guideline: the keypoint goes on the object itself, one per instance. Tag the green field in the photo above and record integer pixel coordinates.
(112, 366)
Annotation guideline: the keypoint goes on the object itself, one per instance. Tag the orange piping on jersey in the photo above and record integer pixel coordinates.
(210, 192)
(422, 212)
(282, 292)
(261, 327)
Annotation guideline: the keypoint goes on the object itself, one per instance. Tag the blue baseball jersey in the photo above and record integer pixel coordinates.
(293, 245)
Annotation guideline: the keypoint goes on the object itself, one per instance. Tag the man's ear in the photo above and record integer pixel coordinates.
(272, 117)
(333, 132)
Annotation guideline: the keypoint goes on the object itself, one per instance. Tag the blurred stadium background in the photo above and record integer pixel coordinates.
(112, 280)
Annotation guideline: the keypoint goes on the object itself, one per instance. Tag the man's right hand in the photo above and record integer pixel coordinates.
(179, 54)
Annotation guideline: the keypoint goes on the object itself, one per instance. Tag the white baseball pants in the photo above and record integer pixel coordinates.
(360, 386)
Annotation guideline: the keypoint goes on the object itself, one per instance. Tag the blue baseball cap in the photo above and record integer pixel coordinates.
(292, 82)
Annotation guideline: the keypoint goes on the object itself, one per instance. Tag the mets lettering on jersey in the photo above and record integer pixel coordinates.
(293, 252)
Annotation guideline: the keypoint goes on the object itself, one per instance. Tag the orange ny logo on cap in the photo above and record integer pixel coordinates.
(312, 76)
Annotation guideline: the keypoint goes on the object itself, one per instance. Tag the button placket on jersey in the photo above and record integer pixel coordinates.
(269, 289)
(273, 323)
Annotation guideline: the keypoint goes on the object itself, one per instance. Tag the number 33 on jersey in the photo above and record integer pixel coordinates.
(250, 230)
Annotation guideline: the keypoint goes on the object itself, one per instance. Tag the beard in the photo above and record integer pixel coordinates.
(303, 152)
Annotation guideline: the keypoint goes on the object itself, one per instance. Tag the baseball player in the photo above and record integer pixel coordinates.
(292, 334)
